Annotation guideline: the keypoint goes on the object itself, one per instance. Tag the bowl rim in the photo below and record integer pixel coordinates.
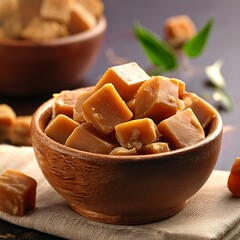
(94, 157)
(83, 36)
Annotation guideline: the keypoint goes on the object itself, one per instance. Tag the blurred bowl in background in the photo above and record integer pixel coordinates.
(36, 68)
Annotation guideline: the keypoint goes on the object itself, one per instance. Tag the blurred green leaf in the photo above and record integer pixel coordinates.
(158, 52)
(195, 46)
(222, 99)
(214, 74)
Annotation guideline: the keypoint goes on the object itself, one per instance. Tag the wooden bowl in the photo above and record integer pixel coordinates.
(30, 68)
(124, 189)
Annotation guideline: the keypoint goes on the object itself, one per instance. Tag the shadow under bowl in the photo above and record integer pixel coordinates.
(125, 189)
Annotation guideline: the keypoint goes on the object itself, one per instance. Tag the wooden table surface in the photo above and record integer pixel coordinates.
(120, 42)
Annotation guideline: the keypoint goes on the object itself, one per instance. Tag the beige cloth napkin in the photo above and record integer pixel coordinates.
(210, 214)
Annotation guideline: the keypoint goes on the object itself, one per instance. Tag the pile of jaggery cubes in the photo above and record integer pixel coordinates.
(47, 19)
(127, 113)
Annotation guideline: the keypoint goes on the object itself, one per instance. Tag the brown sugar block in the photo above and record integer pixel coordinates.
(126, 78)
(202, 110)
(137, 133)
(131, 105)
(60, 128)
(123, 151)
(153, 148)
(7, 118)
(57, 10)
(7, 115)
(19, 133)
(181, 91)
(77, 110)
(179, 29)
(39, 29)
(182, 129)
(86, 138)
(157, 99)
(80, 19)
(28, 9)
(8, 8)
(94, 6)
(65, 102)
(17, 193)
(181, 86)
(105, 109)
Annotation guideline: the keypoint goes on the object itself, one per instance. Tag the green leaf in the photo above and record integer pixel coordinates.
(158, 52)
(222, 99)
(196, 45)
(214, 74)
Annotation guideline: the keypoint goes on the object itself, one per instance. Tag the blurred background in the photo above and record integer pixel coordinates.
(223, 44)
(120, 45)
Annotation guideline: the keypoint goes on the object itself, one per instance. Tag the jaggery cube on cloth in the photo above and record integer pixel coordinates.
(7, 118)
(17, 193)
(233, 182)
